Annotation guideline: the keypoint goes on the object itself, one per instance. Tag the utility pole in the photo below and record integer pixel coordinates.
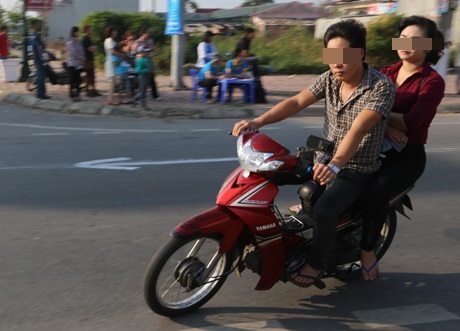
(177, 54)
(25, 63)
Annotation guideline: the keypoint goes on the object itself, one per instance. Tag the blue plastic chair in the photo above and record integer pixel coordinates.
(195, 87)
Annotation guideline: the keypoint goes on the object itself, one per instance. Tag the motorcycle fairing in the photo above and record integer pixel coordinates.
(246, 190)
(214, 220)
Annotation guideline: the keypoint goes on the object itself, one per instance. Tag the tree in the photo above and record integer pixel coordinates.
(250, 3)
(2, 15)
(191, 5)
(380, 31)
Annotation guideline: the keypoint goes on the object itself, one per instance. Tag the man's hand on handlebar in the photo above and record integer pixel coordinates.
(241, 126)
(323, 173)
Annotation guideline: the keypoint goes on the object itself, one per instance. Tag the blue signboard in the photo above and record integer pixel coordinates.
(174, 18)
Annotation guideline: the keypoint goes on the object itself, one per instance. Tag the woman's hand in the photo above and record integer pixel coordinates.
(323, 173)
(396, 135)
(245, 125)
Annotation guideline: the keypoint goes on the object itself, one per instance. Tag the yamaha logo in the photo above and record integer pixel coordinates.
(265, 227)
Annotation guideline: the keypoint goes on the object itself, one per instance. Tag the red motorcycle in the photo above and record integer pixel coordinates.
(246, 230)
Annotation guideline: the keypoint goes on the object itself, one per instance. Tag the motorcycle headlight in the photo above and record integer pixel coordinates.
(254, 161)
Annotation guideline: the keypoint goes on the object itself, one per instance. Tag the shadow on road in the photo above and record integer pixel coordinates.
(334, 311)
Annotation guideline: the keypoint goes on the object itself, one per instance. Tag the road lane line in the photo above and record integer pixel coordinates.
(51, 134)
(206, 130)
(114, 132)
(269, 325)
(124, 163)
(34, 126)
(406, 315)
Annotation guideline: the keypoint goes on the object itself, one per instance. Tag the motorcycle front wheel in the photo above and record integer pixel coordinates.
(185, 274)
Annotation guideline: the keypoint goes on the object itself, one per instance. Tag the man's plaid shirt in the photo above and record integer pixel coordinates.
(375, 92)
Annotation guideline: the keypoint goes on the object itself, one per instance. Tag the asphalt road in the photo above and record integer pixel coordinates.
(86, 201)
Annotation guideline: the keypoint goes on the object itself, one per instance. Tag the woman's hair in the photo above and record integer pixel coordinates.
(108, 31)
(431, 31)
(128, 33)
(73, 30)
(351, 30)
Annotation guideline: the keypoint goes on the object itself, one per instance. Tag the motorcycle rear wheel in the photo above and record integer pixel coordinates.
(352, 270)
(176, 265)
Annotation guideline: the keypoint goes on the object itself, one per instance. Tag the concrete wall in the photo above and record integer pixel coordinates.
(64, 16)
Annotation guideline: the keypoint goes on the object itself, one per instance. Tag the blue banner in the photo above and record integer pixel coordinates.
(174, 18)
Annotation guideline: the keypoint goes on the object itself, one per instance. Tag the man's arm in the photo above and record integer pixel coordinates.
(361, 126)
(278, 113)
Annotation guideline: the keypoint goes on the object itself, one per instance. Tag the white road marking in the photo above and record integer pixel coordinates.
(51, 134)
(114, 132)
(442, 150)
(121, 163)
(34, 126)
(406, 315)
(206, 130)
(313, 127)
(270, 325)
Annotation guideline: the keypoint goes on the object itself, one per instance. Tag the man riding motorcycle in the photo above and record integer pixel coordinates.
(358, 101)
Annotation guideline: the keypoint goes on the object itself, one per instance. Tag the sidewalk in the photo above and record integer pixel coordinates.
(177, 104)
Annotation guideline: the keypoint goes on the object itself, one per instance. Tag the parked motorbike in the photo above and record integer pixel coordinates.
(61, 77)
(246, 230)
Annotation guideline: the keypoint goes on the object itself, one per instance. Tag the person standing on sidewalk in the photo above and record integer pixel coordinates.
(143, 70)
(110, 50)
(38, 49)
(89, 48)
(148, 43)
(4, 53)
(206, 49)
(75, 63)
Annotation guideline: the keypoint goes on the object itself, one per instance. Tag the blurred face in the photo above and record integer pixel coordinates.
(345, 71)
(114, 33)
(412, 56)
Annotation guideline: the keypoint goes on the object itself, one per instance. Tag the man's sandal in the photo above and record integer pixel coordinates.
(316, 280)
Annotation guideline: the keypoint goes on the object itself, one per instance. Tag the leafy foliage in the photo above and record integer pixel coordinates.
(379, 34)
(250, 3)
(293, 51)
(99, 21)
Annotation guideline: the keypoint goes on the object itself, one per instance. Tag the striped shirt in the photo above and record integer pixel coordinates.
(375, 92)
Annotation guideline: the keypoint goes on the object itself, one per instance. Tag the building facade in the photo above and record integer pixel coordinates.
(67, 13)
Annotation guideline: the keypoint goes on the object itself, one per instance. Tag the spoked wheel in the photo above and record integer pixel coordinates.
(387, 234)
(31, 84)
(185, 274)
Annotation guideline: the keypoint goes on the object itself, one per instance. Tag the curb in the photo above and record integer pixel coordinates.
(217, 111)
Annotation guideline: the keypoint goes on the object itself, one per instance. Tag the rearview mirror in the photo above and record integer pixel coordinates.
(319, 144)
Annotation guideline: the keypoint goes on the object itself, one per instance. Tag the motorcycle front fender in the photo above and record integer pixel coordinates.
(214, 220)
